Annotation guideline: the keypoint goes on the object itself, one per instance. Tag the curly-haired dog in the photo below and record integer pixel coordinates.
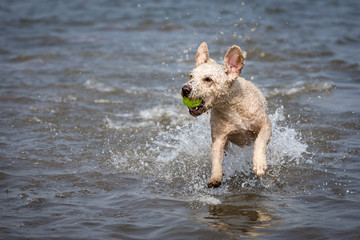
(238, 108)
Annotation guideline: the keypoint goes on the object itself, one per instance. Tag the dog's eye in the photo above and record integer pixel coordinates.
(207, 79)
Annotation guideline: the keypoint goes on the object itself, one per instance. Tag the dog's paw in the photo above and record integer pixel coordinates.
(214, 183)
(260, 168)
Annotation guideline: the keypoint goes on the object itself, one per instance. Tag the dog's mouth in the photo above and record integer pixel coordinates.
(197, 110)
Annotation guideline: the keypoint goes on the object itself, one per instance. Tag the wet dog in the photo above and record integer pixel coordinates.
(238, 108)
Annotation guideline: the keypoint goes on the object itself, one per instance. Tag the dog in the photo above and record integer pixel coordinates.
(238, 108)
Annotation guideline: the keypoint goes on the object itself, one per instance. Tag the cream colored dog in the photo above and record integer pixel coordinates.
(239, 110)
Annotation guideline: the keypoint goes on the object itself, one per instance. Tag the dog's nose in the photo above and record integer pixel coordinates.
(186, 90)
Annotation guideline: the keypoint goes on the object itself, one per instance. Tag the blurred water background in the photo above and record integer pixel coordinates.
(96, 144)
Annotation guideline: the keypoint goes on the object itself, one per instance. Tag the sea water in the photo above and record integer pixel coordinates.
(95, 142)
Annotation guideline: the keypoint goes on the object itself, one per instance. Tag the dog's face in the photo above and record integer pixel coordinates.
(210, 81)
(207, 82)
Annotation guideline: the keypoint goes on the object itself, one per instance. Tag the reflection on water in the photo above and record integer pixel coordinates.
(242, 215)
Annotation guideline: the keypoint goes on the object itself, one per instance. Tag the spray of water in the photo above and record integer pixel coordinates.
(179, 155)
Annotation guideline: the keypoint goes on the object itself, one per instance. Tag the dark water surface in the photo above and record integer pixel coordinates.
(96, 144)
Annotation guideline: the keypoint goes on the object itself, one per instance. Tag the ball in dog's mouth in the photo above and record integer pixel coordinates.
(192, 103)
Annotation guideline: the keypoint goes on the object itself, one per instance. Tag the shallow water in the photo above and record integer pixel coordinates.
(96, 144)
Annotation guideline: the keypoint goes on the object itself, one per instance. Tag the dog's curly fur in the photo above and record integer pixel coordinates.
(238, 108)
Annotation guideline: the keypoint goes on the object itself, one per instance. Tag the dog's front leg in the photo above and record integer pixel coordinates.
(259, 157)
(217, 150)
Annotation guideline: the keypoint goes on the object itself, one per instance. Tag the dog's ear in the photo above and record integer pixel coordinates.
(202, 55)
(234, 61)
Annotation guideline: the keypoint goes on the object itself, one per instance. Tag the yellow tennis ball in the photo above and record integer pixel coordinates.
(191, 104)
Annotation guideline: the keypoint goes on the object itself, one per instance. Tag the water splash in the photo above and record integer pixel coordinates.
(285, 145)
(179, 155)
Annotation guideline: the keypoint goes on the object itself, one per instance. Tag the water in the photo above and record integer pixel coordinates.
(96, 144)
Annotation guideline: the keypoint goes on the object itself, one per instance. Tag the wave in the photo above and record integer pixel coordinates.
(300, 87)
(99, 86)
(104, 87)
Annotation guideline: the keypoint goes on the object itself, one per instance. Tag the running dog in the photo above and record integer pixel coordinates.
(238, 108)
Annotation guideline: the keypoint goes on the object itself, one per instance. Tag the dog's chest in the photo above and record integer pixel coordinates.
(242, 132)
(238, 130)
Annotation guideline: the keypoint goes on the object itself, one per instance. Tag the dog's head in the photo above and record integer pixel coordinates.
(210, 81)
